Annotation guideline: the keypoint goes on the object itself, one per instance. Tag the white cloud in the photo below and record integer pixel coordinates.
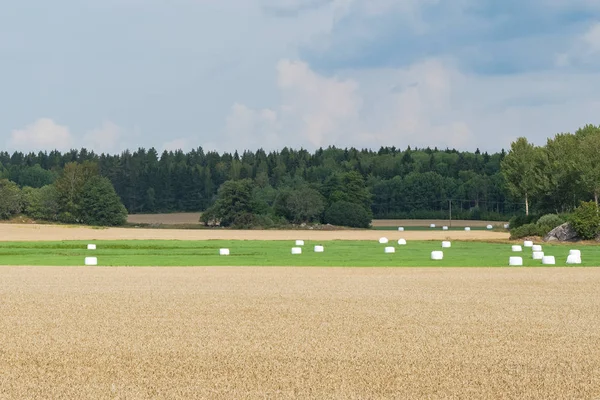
(44, 134)
(315, 111)
(431, 103)
(176, 144)
(105, 139)
(585, 49)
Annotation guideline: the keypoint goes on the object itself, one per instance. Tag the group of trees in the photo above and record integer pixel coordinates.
(78, 194)
(557, 177)
(409, 183)
(324, 186)
(344, 200)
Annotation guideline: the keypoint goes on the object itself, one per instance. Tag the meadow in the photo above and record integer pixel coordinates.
(338, 253)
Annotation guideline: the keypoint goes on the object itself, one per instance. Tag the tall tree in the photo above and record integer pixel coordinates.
(589, 163)
(521, 170)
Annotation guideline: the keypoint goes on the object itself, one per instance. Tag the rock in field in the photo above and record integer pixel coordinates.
(563, 233)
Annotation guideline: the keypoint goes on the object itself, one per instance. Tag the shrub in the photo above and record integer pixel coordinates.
(586, 220)
(525, 231)
(548, 222)
(344, 213)
(520, 220)
(100, 204)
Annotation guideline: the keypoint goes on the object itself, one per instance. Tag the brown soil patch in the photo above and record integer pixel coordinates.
(167, 219)
(319, 333)
(437, 222)
(193, 219)
(18, 232)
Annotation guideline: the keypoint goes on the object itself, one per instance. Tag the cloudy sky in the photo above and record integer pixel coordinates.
(245, 74)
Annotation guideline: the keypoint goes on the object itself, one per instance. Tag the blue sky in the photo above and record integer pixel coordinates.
(233, 74)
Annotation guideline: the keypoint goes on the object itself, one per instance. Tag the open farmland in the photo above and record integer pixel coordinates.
(318, 333)
(193, 219)
(292, 332)
(33, 232)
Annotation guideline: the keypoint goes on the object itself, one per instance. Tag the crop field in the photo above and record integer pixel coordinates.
(349, 323)
(289, 333)
(337, 253)
(193, 218)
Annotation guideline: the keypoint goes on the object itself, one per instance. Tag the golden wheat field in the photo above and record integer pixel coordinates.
(301, 333)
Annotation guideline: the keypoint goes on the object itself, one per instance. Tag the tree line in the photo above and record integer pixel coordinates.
(299, 186)
(409, 183)
(556, 177)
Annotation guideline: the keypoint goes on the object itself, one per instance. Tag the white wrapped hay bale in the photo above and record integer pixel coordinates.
(537, 255)
(575, 253)
(296, 250)
(383, 240)
(528, 243)
(299, 242)
(224, 252)
(573, 259)
(548, 260)
(489, 227)
(536, 247)
(444, 228)
(467, 228)
(390, 250)
(437, 255)
(400, 229)
(446, 244)
(432, 225)
(319, 249)
(401, 242)
(91, 261)
(91, 247)
(516, 247)
(515, 261)
(506, 226)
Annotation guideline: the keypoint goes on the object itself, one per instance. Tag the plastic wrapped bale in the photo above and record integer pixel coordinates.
(515, 261)
(91, 261)
(548, 260)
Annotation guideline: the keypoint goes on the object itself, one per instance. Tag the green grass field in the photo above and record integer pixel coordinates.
(278, 253)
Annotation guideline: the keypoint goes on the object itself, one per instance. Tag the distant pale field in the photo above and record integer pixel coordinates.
(35, 232)
(296, 333)
(193, 218)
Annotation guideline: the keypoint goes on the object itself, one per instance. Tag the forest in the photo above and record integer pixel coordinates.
(389, 183)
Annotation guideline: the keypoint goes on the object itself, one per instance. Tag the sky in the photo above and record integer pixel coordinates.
(241, 75)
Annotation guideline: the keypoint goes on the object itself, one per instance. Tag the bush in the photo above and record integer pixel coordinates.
(344, 213)
(525, 231)
(10, 199)
(101, 205)
(586, 220)
(520, 220)
(548, 222)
